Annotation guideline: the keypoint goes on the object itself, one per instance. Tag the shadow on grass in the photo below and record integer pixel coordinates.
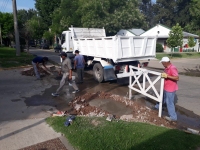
(170, 140)
(123, 135)
(189, 54)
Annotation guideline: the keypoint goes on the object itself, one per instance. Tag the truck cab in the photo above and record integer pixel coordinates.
(67, 43)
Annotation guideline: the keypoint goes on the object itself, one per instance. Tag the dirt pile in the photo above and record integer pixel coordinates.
(140, 113)
(30, 72)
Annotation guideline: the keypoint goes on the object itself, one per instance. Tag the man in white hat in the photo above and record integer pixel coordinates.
(170, 87)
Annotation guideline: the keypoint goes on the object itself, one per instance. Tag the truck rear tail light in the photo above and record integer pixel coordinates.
(118, 68)
(145, 64)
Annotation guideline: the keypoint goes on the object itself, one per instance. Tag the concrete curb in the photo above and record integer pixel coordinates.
(66, 143)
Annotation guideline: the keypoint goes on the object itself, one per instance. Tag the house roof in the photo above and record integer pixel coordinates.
(187, 34)
(136, 31)
(162, 31)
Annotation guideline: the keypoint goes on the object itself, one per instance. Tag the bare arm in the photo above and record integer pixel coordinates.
(83, 60)
(175, 78)
(70, 74)
(45, 66)
(37, 65)
(59, 72)
(75, 62)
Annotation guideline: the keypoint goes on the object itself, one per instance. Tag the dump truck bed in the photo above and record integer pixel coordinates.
(117, 48)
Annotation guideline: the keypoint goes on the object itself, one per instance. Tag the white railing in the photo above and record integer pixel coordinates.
(143, 87)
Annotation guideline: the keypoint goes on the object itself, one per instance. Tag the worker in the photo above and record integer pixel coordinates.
(36, 62)
(79, 64)
(170, 87)
(66, 69)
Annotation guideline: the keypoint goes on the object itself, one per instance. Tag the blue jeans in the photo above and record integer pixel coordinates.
(168, 98)
(37, 74)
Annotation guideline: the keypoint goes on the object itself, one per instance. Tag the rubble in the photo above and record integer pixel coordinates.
(140, 113)
(30, 71)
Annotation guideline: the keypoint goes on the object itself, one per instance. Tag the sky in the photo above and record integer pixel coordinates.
(6, 5)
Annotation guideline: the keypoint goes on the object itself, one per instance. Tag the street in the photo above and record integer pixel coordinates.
(188, 93)
(26, 102)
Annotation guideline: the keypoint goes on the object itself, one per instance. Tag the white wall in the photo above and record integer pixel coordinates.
(158, 30)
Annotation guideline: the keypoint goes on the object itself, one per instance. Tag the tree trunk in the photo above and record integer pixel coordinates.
(27, 46)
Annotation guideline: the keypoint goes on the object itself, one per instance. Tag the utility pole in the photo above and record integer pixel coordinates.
(17, 44)
(0, 35)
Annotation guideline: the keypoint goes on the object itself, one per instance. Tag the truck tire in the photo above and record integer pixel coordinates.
(98, 72)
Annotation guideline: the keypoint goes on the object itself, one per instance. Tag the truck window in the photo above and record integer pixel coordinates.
(63, 38)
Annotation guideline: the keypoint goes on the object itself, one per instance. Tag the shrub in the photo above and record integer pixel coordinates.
(159, 48)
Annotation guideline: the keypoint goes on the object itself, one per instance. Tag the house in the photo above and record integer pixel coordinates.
(163, 34)
(130, 32)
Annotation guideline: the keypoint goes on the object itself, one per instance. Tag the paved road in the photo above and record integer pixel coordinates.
(24, 103)
(188, 93)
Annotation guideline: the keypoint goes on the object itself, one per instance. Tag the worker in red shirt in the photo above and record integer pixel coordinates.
(170, 87)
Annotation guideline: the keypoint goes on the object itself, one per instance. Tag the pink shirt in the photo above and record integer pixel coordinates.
(171, 85)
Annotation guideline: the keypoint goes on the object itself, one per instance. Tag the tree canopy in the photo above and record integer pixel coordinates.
(7, 26)
(175, 36)
(58, 15)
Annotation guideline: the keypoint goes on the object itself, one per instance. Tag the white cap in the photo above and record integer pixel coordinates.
(165, 59)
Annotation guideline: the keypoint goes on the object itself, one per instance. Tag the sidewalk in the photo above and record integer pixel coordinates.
(23, 125)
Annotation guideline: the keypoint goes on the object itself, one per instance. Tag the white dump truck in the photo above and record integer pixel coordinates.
(109, 56)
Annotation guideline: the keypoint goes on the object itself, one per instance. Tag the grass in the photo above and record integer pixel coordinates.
(9, 59)
(178, 55)
(90, 133)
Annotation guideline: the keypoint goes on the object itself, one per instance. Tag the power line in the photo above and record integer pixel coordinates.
(4, 5)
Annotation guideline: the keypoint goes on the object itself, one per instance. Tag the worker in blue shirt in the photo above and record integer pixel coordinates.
(36, 62)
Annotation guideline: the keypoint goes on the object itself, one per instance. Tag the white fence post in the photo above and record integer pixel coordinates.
(161, 97)
(130, 81)
(143, 89)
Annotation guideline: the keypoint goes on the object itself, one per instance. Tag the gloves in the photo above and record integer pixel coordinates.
(163, 75)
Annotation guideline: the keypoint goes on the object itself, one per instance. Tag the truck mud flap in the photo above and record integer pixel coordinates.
(109, 73)
(123, 81)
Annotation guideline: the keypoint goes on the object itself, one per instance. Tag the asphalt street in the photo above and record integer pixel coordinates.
(188, 93)
(25, 103)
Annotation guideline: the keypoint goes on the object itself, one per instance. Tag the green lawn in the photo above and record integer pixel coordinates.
(178, 55)
(9, 59)
(92, 133)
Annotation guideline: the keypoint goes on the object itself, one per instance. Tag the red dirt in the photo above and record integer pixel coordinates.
(30, 72)
(141, 113)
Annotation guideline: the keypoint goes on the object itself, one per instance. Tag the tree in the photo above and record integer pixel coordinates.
(65, 16)
(45, 10)
(191, 42)
(29, 26)
(182, 9)
(175, 37)
(113, 15)
(159, 47)
(7, 27)
(146, 8)
(165, 12)
(194, 10)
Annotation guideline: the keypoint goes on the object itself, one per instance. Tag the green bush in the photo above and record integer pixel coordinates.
(159, 48)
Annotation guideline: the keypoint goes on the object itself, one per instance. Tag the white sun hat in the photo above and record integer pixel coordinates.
(165, 59)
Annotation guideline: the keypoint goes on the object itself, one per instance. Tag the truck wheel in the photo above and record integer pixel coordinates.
(98, 72)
